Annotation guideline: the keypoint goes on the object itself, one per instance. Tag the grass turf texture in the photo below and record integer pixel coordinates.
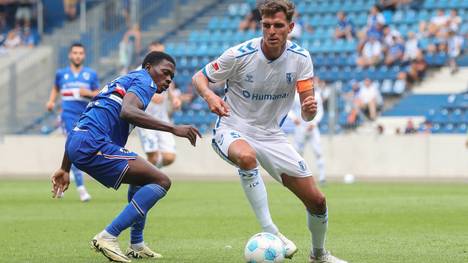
(211, 221)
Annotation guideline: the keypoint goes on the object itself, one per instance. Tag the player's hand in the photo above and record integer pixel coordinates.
(84, 92)
(60, 181)
(50, 105)
(218, 106)
(309, 107)
(188, 132)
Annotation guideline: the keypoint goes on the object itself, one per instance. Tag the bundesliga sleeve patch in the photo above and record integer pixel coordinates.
(215, 66)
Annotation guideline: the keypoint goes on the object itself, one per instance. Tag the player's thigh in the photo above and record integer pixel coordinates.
(277, 156)
(167, 147)
(141, 172)
(316, 143)
(234, 148)
(299, 136)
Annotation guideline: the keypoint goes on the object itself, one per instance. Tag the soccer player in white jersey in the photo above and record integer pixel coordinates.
(306, 132)
(159, 146)
(261, 77)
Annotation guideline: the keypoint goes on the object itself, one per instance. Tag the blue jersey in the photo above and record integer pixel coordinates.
(102, 116)
(69, 84)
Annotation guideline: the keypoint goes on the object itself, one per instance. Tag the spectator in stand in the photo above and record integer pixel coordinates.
(345, 28)
(369, 99)
(411, 47)
(3, 16)
(13, 39)
(410, 129)
(426, 127)
(400, 84)
(351, 99)
(251, 20)
(27, 38)
(23, 13)
(371, 53)
(389, 35)
(395, 52)
(375, 22)
(299, 26)
(438, 22)
(454, 49)
(130, 47)
(69, 6)
(417, 68)
(454, 21)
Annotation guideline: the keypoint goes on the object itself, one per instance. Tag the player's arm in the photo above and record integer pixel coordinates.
(132, 112)
(216, 71)
(84, 92)
(215, 103)
(173, 95)
(61, 177)
(306, 96)
(52, 97)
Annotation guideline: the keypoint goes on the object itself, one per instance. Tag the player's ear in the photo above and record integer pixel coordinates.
(291, 26)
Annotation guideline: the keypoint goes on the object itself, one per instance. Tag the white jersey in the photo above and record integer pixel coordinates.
(295, 112)
(259, 92)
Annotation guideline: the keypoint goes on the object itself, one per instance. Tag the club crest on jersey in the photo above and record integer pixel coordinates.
(86, 75)
(290, 77)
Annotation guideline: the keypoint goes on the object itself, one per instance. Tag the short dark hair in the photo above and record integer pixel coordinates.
(155, 57)
(77, 44)
(271, 7)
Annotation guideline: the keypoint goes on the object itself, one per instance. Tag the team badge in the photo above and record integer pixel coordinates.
(86, 75)
(289, 77)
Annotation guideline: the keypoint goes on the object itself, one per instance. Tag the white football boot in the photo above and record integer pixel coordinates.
(109, 247)
(326, 258)
(84, 195)
(143, 252)
(289, 246)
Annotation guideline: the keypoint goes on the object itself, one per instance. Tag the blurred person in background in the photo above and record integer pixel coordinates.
(76, 85)
(70, 9)
(159, 146)
(129, 48)
(344, 28)
(309, 132)
(369, 99)
(454, 50)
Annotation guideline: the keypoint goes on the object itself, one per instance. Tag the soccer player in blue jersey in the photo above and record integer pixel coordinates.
(96, 146)
(77, 85)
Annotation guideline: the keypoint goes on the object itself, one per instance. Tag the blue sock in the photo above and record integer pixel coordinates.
(78, 176)
(136, 231)
(141, 203)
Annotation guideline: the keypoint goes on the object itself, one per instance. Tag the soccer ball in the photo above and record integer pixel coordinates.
(264, 248)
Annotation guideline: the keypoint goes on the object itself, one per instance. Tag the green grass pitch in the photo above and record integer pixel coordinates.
(211, 221)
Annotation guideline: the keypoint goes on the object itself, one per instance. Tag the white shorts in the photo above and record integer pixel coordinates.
(156, 141)
(274, 152)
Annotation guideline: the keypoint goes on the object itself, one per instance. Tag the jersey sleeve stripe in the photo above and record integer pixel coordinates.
(296, 52)
(206, 75)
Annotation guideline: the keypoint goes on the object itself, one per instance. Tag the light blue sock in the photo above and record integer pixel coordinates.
(141, 203)
(78, 174)
(136, 231)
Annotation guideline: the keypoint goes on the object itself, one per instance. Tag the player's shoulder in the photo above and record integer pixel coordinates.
(62, 71)
(143, 77)
(245, 49)
(297, 50)
(89, 70)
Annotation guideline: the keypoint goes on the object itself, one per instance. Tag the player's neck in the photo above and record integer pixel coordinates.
(272, 53)
(76, 69)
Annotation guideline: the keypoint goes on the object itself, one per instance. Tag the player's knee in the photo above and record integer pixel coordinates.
(153, 158)
(320, 202)
(247, 160)
(168, 159)
(165, 183)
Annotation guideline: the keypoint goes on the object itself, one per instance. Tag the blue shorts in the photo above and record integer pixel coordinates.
(101, 159)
